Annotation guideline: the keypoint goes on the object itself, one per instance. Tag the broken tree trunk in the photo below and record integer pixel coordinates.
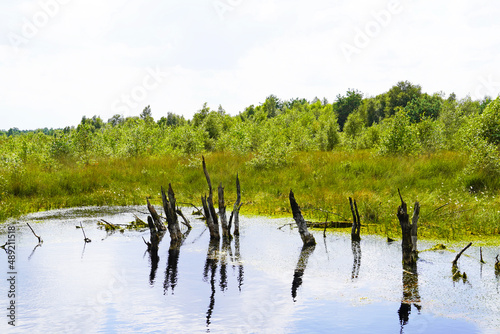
(307, 238)
(214, 229)
(171, 214)
(226, 233)
(185, 220)
(460, 254)
(156, 217)
(356, 223)
(236, 209)
(208, 206)
(409, 232)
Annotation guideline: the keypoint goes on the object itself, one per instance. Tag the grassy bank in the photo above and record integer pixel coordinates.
(320, 180)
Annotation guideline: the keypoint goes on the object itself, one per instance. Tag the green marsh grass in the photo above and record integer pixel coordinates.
(320, 180)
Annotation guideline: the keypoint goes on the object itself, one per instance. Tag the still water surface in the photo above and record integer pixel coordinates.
(261, 282)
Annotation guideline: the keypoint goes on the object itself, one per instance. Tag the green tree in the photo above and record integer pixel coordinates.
(347, 104)
(147, 115)
(400, 95)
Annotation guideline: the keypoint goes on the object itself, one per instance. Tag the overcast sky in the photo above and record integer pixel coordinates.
(63, 59)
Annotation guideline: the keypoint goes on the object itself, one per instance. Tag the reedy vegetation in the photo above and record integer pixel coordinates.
(439, 151)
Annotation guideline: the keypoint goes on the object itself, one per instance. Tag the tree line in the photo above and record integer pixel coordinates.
(403, 120)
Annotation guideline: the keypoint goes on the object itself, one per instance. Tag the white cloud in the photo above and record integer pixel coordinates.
(90, 53)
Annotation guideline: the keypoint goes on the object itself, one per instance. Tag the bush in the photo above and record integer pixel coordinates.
(399, 136)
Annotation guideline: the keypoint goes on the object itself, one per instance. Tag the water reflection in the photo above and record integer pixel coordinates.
(300, 268)
(153, 254)
(211, 267)
(356, 253)
(238, 262)
(38, 245)
(411, 295)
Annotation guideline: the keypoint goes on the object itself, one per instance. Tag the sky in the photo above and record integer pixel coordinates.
(61, 60)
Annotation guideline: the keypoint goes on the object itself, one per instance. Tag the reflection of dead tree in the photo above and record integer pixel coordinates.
(409, 232)
(411, 295)
(307, 238)
(211, 267)
(171, 270)
(356, 253)
(241, 271)
(356, 223)
(497, 267)
(34, 249)
(306, 252)
(155, 238)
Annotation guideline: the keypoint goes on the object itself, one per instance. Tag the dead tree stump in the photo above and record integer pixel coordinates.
(409, 232)
(156, 217)
(356, 222)
(171, 214)
(307, 238)
(214, 229)
(226, 233)
(208, 206)
(235, 214)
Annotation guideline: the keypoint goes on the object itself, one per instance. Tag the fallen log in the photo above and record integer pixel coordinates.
(307, 238)
(409, 232)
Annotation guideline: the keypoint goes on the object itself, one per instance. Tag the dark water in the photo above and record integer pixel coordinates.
(261, 282)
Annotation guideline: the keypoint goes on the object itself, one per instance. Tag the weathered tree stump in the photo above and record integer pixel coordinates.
(235, 214)
(307, 238)
(156, 217)
(356, 222)
(208, 206)
(409, 232)
(171, 214)
(226, 233)
(212, 227)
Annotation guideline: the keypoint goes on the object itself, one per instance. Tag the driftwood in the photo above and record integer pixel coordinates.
(236, 209)
(356, 222)
(409, 232)
(307, 238)
(38, 237)
(84, 236)
(460, 254)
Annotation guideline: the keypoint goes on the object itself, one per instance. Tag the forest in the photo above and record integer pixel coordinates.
(439, 149)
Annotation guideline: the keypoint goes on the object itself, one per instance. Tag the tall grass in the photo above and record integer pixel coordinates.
(320, 180)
